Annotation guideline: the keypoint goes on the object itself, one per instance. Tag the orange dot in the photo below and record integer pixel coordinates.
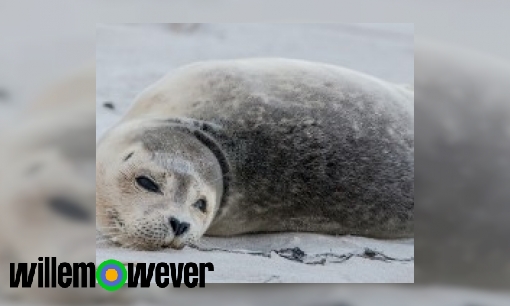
(111, 275)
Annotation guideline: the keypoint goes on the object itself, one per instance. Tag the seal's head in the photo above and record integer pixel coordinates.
(157, 185)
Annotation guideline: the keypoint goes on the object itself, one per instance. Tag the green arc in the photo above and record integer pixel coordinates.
(121, 267)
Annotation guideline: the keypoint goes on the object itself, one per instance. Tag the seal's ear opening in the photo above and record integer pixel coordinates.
(206, 126)
(68, 207)
(128, 156)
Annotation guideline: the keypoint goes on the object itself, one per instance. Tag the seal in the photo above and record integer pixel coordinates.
(233, 147)
(48, 181)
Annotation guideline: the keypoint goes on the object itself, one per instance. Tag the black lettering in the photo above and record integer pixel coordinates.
(40, 274)
(53, 272)
(191, 270)
(162, 271)
(140, 275)
(22, 275)
(176, 279)
(46, 272)
(76, 274)
(146, 282)
(210, 267)
(133, 275)
(63, 274)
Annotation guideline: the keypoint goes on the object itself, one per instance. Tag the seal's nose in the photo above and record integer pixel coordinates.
(179, 227)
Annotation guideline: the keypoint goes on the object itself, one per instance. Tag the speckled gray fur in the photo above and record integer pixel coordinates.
(325, 150)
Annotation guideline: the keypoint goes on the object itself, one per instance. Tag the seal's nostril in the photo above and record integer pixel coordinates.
(179, 227)
(183, 228)
(175, 224)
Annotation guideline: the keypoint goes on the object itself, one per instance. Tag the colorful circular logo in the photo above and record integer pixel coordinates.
(111, 275)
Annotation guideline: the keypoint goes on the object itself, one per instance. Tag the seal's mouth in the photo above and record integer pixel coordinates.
(176, 243)
(120, 235)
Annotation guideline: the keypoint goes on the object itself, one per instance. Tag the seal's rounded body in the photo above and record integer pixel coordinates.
(297, 146)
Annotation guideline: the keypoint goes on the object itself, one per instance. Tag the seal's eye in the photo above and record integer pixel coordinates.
(68, 208)
(147, 184)
(201, 205)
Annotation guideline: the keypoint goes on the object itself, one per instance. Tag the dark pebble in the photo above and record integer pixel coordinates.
(109, 105)
(370, 253)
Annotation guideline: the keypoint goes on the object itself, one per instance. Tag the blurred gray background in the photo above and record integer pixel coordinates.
(43, 42)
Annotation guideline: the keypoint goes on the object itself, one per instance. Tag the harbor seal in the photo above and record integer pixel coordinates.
(233, 147)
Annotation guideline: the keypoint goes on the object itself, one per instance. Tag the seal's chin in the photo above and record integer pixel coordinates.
(158, 246)
(177, 246)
